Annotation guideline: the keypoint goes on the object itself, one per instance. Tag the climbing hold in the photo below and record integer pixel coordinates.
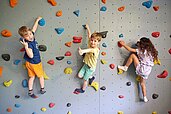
(169, 51)
(42, 48)
(147, 4)
(104, 45)
(128, 83)
(41, 22)
(22, 49)
(17, 96)
(34, 113)
(155, 96)
(138, 78)
(17, 105)
(1, 70)
(157, 61)
(52, 2)
(68, 44)
(45, 76)
(43, 109)
(68, 104)
(25, 83)
(120, 35)
(164, 74)
(103, 53)
(16, 62)
(120, 71)
(13, 3)
(104, 1)
(77, 39)
(112, 66)
(69, 62)
(51, 105)
(103, 88)
(169, 112)
(9, 109)
(156, 8)
(154, 112)
(103, 8)
(120, 112)
(59, 13)
(84, 26)
(95, 85)
(59, 30)
(6, 57)
(68, 70)
(60, 58)
(7, 83)
(68, 53)
(77, 13)
(6, 33)
(119, 45)
(121, 96)
(121, 8)
(156, 34)
(104, 34)
(103, 61)
(69, 112)
(51, 62)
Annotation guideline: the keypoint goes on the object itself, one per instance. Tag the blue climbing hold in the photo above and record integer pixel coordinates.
(121, 36)
(34, 113)
(17, 105)
(16, 62)
(69, 62)
(25, 83)
(147, 4)
(59, 30)
(104, 45)
(41, 22)
(103, 8)
(77, 13)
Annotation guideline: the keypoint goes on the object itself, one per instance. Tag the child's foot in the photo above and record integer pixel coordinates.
(145, 99)
(42, 90)
(77, 91)
(91, 80)
(31, 94)
(124, 68)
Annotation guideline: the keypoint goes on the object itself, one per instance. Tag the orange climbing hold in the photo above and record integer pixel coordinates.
(6, 33)
(103, 53)
(13, 3)
(121, 8)
(156, 8)
(52, 2)
(68, 44)
(59, 13)
(9, 109)
(104, 1)
(1, 69)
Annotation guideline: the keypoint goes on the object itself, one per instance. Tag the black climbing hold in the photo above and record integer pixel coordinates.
(42, 48)
(155, 96)
(128, 83)
(68, 104)
(104, 34)
(103, 88)
(84, 26)
(170, 36)
(60, 57)
(6, 57)
(17, 96)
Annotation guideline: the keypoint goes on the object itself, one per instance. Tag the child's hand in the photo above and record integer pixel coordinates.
(39, 18)
(87, 27)
(80, 51)
(25, 44)
(122, 42)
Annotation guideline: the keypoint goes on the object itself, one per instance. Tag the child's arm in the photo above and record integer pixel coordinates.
(82, 51)
(36, 24)
(28, 50)
(127, 47)
(88, 31)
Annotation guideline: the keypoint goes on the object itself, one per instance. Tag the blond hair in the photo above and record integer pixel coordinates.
(23, 31)
(96, 36)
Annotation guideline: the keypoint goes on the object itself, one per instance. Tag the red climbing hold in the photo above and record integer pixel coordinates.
(112, 66)
(51, 62)
(119, 45)
(1, 69)
(121, 96)
(155, 34)
(169, 112)
(121, 8)
(68, 53)
(22, 49)
(77, 39)
(51, 105)
(163, 75)
(156, 8)
(13, 3)
(169, 51)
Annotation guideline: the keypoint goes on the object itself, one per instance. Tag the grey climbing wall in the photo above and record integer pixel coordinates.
(134, 22)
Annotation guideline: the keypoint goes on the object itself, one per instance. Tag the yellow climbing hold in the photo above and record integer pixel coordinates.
(103, 61)
(120, 71)
(7, 83)
(154, 112)
(138, 78)
(69, 112)
(95, 85)
(157, 61)
(68, 70)
(120, 112)
(43, 109)
(45, 76)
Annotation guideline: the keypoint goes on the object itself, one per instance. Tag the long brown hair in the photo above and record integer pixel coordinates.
(146, 44)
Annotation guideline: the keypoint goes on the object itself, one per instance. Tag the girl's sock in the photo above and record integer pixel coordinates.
(124, 68)
(42, 90)
(145, 99)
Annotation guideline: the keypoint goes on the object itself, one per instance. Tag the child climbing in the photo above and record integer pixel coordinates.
(90, 59)
(143, 60)
(32, 57)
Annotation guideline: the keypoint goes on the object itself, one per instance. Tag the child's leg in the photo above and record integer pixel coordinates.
(41, 79)
(30, 83)
(84, 85)
(142, 83)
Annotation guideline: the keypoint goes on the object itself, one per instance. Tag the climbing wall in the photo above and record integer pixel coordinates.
(124, 20)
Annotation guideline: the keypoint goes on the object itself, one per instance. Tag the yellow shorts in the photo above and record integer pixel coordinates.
(34, 69)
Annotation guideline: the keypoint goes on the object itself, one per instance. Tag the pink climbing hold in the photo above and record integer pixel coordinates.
(51, 105)
(68, 53)
(156, 34)
(112, 66)
(169, 51)
(164, 74)
(51, 62)
(121, 96)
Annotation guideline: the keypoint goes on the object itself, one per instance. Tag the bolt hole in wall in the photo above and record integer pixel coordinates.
(59, 35)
